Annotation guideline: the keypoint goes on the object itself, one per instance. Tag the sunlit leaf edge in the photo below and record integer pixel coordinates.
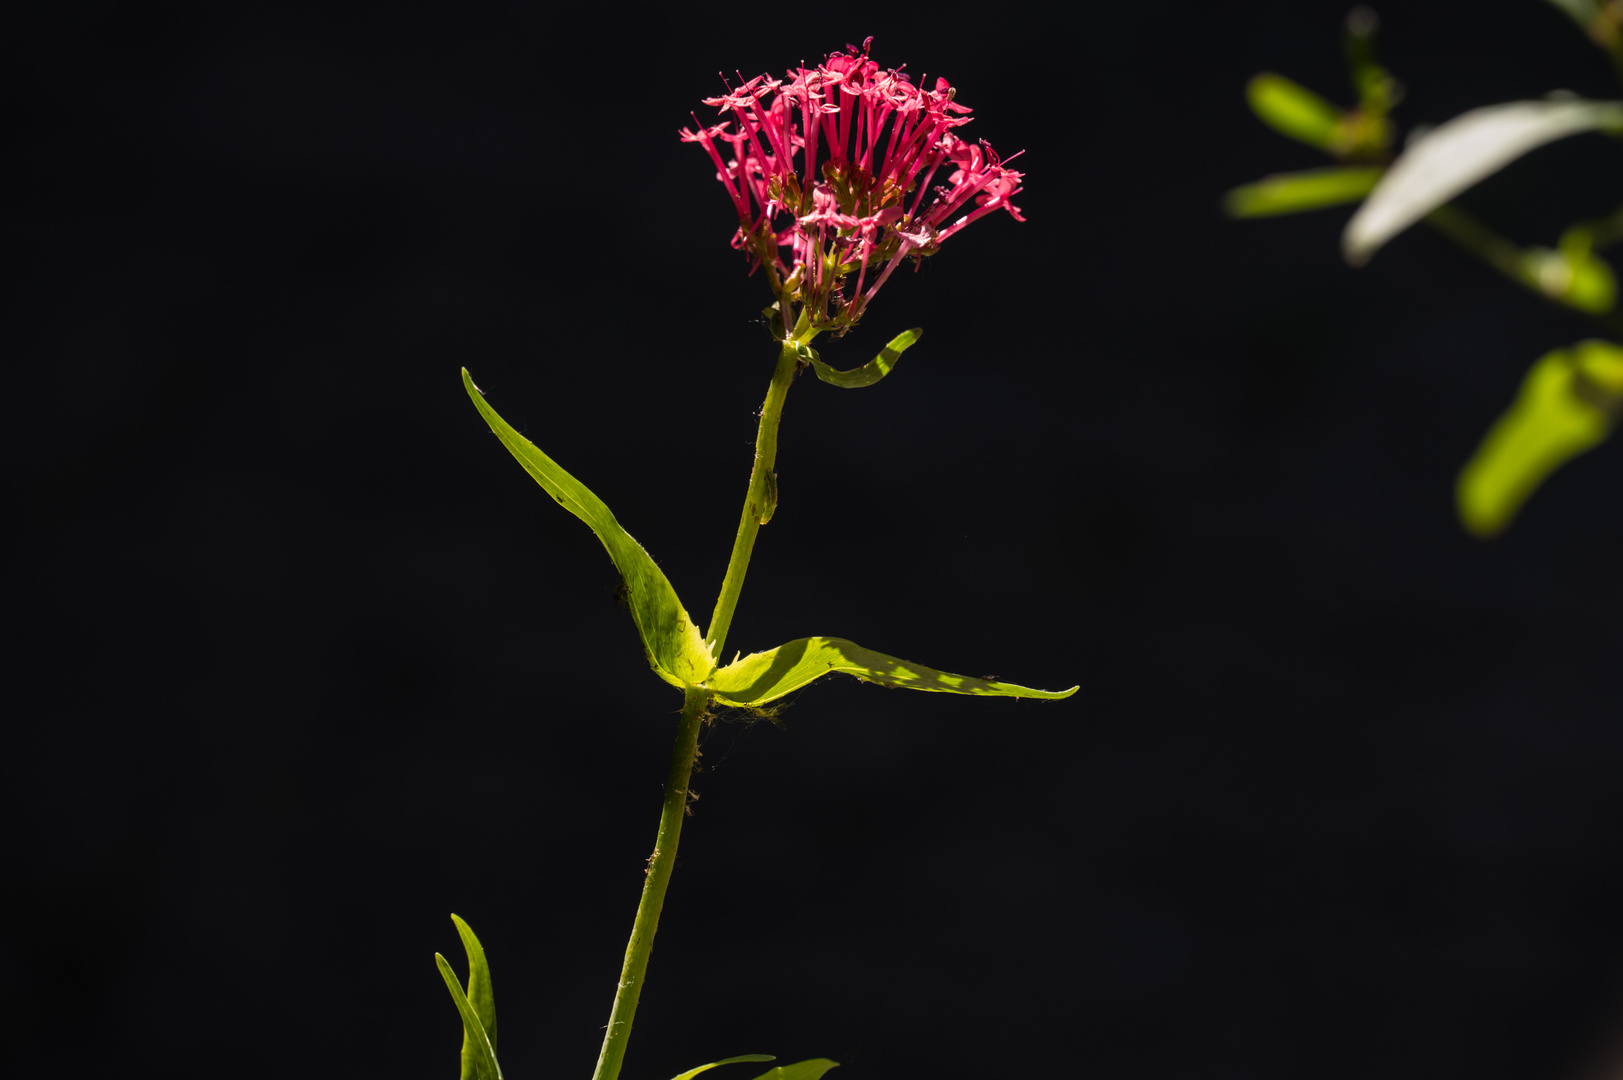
(810, 1069)
(766, 676)
(675, 647)
(691, 1073)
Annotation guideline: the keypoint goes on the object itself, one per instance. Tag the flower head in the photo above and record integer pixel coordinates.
(870, 144)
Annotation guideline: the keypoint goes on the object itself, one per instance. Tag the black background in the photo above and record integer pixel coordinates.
(303, 662)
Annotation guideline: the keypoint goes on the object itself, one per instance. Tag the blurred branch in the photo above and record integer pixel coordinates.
(1505, 257)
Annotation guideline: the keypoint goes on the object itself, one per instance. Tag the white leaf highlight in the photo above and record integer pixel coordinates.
(1453, 156)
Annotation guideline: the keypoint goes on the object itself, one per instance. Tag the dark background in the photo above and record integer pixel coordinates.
(302, 661)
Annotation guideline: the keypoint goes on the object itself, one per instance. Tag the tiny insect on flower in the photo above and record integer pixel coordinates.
(860, 199)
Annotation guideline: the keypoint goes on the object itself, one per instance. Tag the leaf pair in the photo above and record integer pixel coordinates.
(477, 1006)
(675, 648)
(812, 1069)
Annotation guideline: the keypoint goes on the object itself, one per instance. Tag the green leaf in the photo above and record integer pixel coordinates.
(1294, 110)
(765, 676)
(1452, 157)
(480, 995)
(800, 1070)
(675, 647)
(1591, 19)
(473, 1031)
(1567, 404)
(691, 1073)
(1313, 189)
(868, 373)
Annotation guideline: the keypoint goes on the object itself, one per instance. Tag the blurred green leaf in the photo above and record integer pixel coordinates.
(1292, 109)
(675, 648)
(1453, 156)
(1567, 404)
(765, 676)
(1313, 189)
(1582, 12)
(691, 1073)
(1601, 26)
(868, 373)
(473, 1030)
(800, 1070)
(480, 995)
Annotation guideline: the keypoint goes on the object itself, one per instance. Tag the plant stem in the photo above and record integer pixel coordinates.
(653, 887)
(756, 501)
(1503, 256)
(1484, 243)
(756, 504)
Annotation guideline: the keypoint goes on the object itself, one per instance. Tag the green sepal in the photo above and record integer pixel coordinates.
(675, 647)
(812, 1069)
(1568, 403)
(473, 1031)
(765, 676)
(868, 373)
(481, 996)
(691, 1073)
(1311, 189)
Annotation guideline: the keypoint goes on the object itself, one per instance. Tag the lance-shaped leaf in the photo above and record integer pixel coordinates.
(868, 373)
(1452, 157)
(691, 1073)
(765, 676)
(473, 1030)
(1568, 404)
(800, 1070)
(480, 995)
(1312, 189)
(1294, 110)
(675, 648)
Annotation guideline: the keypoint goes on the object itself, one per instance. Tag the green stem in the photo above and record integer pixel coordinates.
(1484, 243)
(756, 500)
(756, 505)
(653, 887)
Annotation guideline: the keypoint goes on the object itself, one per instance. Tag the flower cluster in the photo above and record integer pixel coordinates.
(882, 141)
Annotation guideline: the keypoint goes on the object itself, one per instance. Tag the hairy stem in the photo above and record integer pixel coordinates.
(653, 887)
(756, 499)
(758, 503)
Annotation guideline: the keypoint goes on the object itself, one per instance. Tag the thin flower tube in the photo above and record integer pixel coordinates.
(859, 200)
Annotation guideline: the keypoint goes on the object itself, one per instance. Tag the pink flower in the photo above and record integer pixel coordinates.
(859, 199)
